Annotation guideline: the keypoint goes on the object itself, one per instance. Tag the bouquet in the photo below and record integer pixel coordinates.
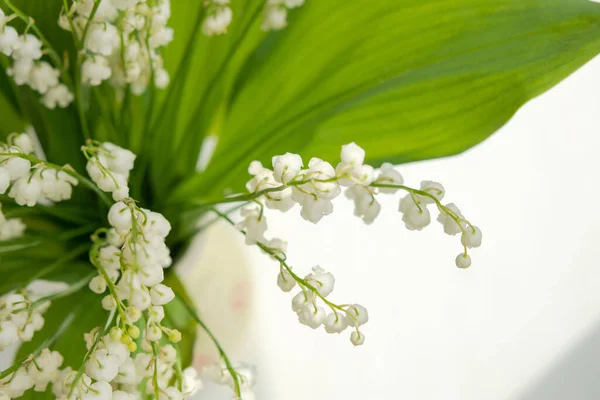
(128, 127)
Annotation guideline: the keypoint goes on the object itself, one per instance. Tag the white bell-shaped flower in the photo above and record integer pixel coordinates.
(29, 47)
(26, 191)
(102, 366)
(217, 23)
(9, 39)
(4, 180)
(20, 71)
(321, 280)
(471, 237)
(449, 223)
(357, 315)
(95, 70)
(335, 323)
(312, 316)
(43, 77)
(415, 216)
(57, 96)
(119, 216)
(388, 175)
(17, 167)
(275, 18)
(102, 39)
(463, 261)
(254, 224)
(286, 167)
(434, 188)
(99, 391)
(357, 338)
(161, 294)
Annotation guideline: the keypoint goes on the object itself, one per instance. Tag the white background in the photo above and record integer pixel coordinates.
(521, 323)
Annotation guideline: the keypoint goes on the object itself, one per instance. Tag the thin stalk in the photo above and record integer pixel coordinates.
(222, 353)
(155, 374)
(242, 197)
(71, 24)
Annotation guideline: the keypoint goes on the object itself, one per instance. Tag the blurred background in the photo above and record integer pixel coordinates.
(523, 323)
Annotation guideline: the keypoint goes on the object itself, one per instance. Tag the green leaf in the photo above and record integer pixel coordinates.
(407, 80)
(203, 69)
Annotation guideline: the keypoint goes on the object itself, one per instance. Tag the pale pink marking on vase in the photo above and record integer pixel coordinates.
(240, 296)
(202, 360)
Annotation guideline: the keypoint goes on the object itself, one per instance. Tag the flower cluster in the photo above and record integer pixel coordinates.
(318, 285)
(29, 184)
(135, 249)
(314, 188)
(28, 68)
(109, 372)
(130, 259)
(314, 288)
(112, 371)
(121, 40)
(275, 13)
(218, 17)
(36, 372)
(20, 318)
(109, 166)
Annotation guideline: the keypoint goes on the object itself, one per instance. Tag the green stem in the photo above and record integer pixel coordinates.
(222, 353)
(155, 375)
(70, 20)
(90, 19)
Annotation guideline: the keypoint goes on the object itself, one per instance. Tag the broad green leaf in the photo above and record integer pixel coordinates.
(407, 80)
(202, 71)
